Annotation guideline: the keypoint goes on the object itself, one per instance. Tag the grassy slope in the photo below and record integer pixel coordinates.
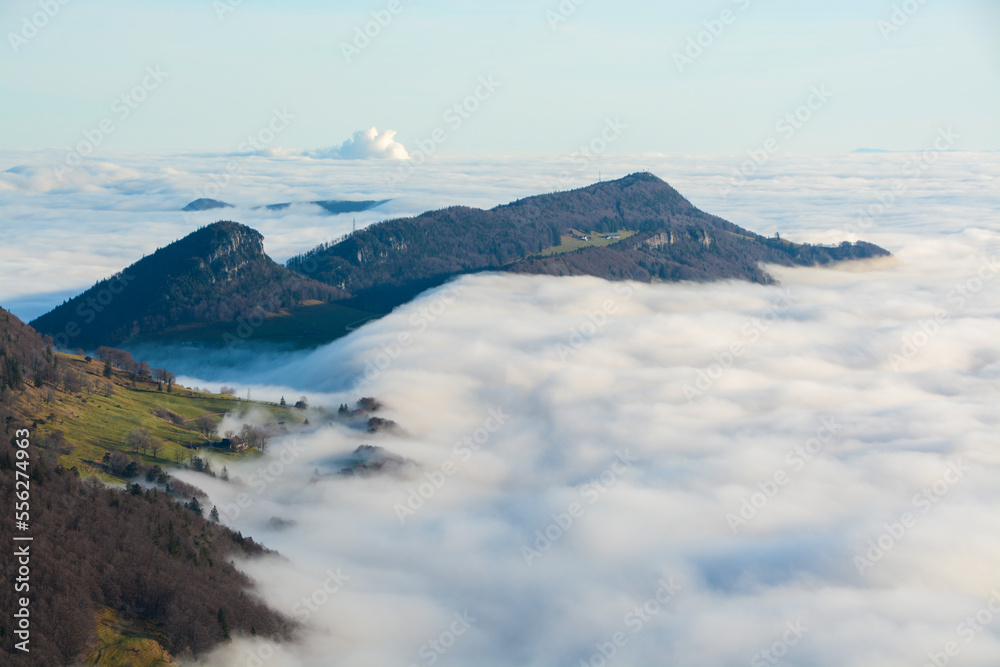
(121, 644)
(94, 424)
(571, 243)
(309, 325)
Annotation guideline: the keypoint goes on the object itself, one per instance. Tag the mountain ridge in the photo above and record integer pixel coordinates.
(388, 263)
(219, 276)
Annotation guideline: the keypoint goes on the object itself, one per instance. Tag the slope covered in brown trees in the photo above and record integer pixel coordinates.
(136, 552)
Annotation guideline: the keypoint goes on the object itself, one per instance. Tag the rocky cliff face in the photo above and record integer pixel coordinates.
(231, 251)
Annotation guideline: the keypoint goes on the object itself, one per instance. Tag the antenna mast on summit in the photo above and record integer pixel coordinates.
(354, 226)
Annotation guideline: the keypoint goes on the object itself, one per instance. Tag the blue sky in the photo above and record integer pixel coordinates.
(558, 85)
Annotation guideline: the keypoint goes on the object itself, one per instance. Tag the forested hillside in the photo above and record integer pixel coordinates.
(163, 570)
(390, 262)
(218, 273)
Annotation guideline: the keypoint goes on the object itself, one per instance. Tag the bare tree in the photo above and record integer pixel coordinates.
(137, 438)
(254, 436)
(206, 426)
(155, 445)
(71, 381)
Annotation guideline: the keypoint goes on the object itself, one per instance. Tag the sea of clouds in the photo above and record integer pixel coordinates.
(620, 473)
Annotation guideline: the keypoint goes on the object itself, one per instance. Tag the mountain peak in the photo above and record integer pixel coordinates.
(228, 228)
(225, 242)
(634, 228)
(642, 176)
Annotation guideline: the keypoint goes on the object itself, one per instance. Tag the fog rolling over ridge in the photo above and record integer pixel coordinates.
(696, 474)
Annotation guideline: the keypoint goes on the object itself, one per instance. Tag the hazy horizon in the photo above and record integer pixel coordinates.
(203, 75)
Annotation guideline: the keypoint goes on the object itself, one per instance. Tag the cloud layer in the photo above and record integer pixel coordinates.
(685, 474)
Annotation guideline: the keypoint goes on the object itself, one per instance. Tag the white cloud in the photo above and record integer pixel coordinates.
(366, 145)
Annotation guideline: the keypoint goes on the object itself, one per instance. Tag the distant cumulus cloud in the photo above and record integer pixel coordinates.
(366, 145)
